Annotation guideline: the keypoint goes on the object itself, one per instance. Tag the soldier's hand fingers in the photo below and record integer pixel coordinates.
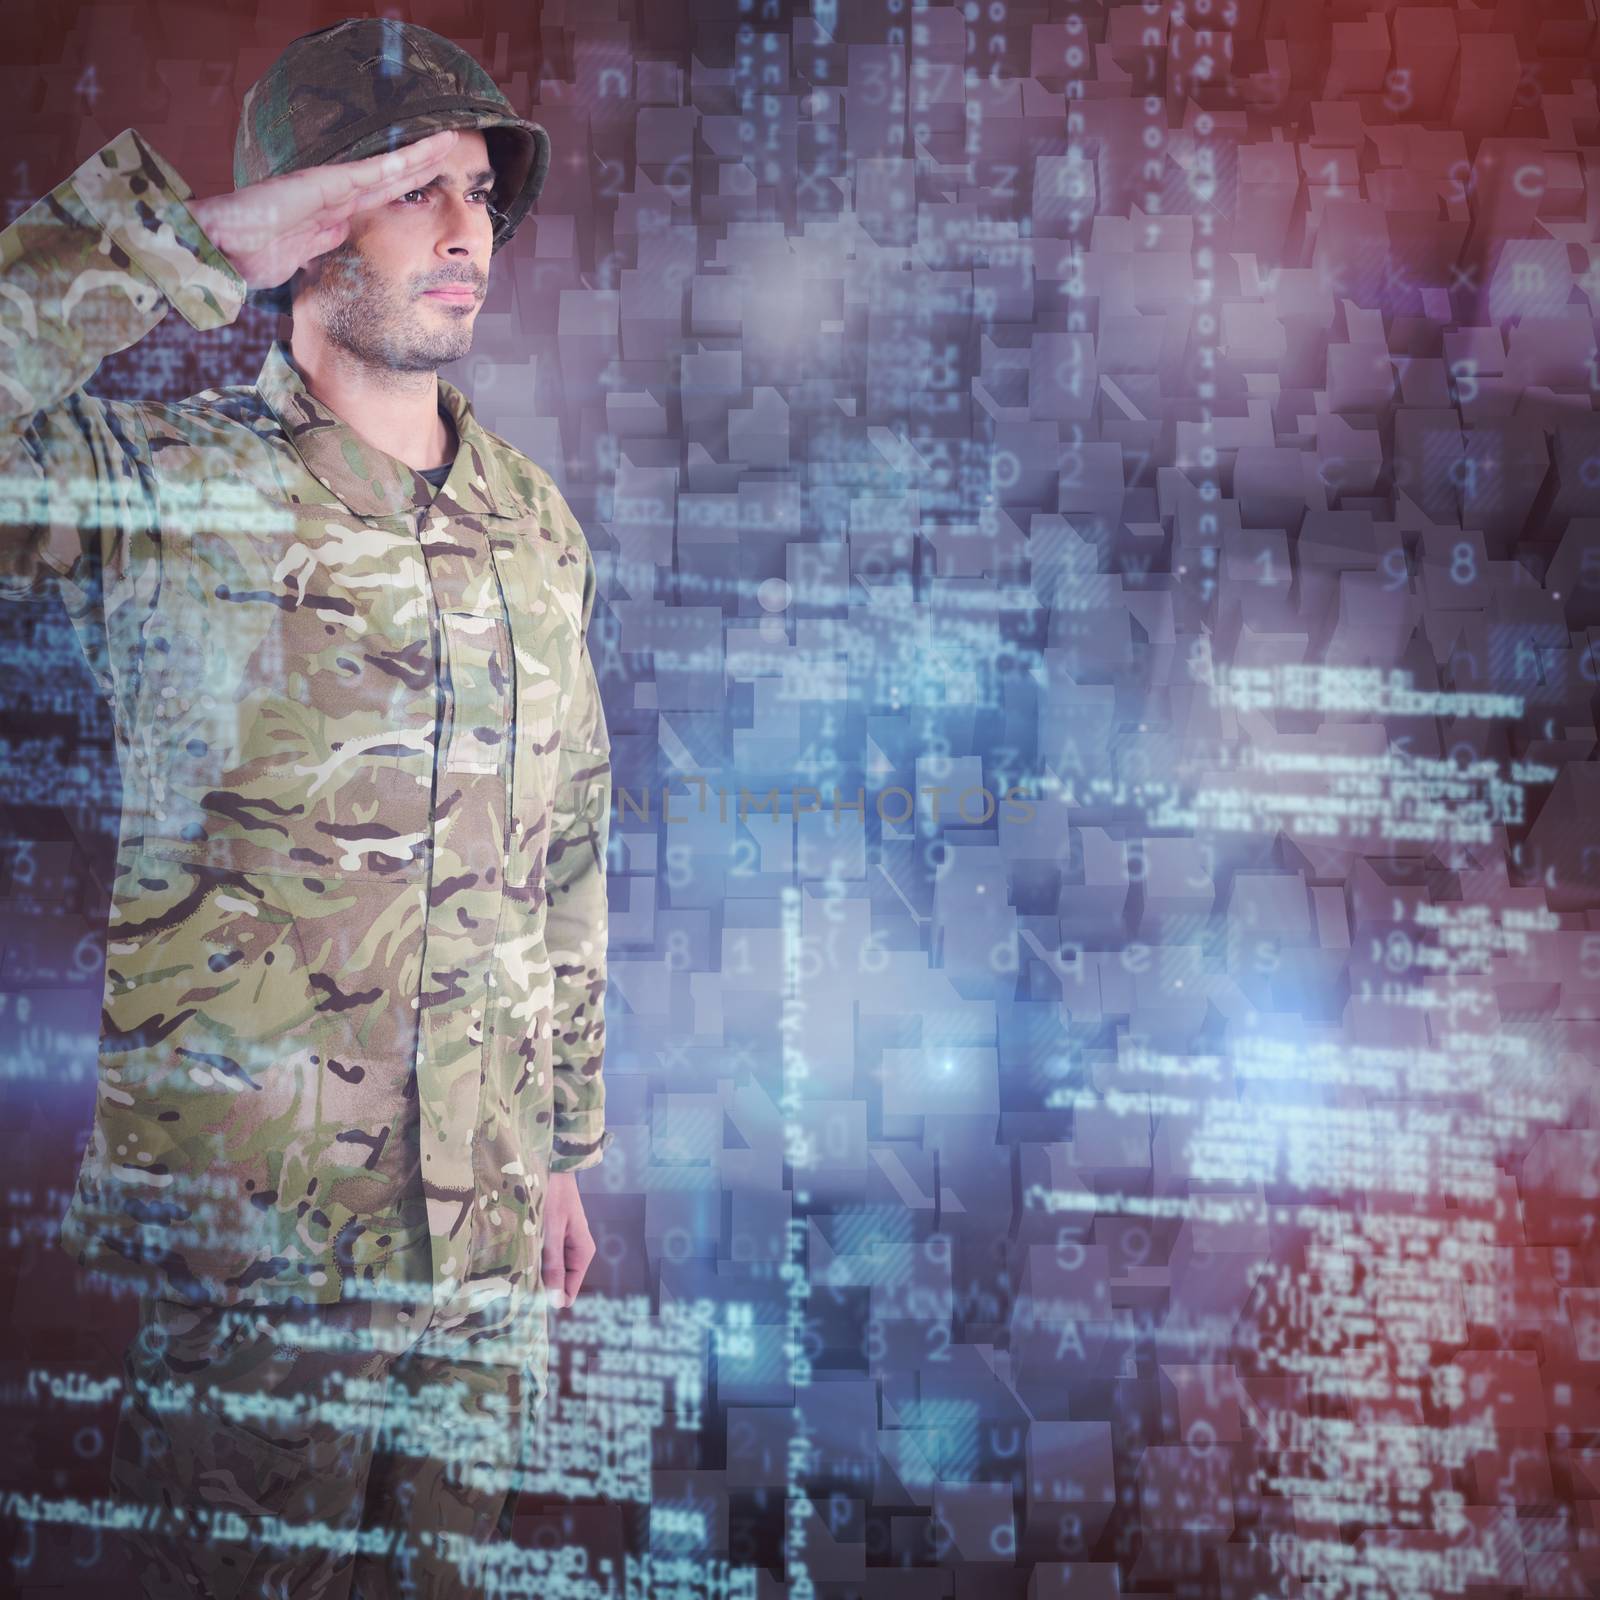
(552, 1264)
(251, 235)
(347, 186)
(580, 1252)
(366, 199)
(328, 237)
(338, 190)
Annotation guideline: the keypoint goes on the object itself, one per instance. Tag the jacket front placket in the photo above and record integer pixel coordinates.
(473, 752)
(467, 872)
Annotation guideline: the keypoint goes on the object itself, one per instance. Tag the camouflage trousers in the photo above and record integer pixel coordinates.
(358, 1450)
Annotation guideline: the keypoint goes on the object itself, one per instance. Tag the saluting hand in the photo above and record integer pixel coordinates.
(269, 230)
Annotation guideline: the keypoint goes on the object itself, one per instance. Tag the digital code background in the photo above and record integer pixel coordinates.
(1126, 478)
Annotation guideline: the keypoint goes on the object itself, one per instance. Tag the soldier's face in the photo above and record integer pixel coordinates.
(404, 288)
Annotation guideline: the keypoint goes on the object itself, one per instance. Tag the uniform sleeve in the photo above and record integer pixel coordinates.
(86, 271)
(576, 922)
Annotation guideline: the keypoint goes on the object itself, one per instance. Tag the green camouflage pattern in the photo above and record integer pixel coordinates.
(355, 979)
(365, 1448)
(371, 84)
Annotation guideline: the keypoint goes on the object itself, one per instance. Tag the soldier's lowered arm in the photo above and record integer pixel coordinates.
(92, 267)
(577, 919)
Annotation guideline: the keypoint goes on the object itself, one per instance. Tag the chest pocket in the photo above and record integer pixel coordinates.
(287, 708)
(478, 707)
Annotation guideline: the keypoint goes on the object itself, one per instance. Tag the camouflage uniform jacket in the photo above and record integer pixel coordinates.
(355, 969)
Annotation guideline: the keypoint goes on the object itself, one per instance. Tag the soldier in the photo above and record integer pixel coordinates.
(352, 1034)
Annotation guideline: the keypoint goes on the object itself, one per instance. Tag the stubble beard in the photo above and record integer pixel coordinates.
(381, 325)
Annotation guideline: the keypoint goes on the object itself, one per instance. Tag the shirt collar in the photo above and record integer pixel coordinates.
(482, 482)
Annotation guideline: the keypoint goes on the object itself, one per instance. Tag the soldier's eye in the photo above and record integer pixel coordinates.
(409, 192)
(485, 193)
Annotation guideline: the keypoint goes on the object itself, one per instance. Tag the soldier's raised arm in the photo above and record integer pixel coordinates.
(88, 270)
(577, 918)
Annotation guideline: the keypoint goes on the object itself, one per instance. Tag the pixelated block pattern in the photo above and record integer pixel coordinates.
(1127, 476)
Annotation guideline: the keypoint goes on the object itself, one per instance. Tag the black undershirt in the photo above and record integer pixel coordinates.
(437, 475)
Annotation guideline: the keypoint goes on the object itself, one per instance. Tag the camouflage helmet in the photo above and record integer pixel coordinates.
(371, 84)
